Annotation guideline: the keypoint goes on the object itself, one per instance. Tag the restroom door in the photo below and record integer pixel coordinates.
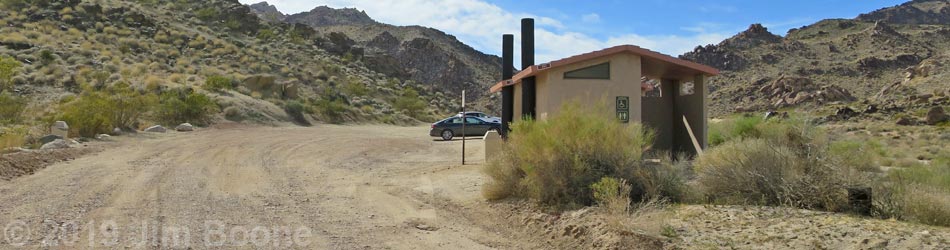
(658, 115)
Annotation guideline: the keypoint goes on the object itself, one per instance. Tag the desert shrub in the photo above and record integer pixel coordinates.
(355, 88)
(89, 114)
(11, 107)
(295, 109)
(185, 105)
(410, 104)
(612, 194)
(218, 83)
(127, 105)
(12, 137)
(777, 163)
(555, 161)
(332, 110)
(855, 153)
(8, 68)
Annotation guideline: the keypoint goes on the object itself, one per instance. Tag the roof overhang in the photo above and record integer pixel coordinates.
(537, 69)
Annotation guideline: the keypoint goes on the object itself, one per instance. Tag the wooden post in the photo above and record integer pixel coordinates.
(699, 149)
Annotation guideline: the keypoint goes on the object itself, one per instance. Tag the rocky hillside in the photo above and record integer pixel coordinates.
(897, 57)
(424, 55)
(253, 70)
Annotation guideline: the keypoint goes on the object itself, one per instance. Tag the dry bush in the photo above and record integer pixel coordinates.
(781, 163)
(12, 138)
(926, 204)
(555, 161)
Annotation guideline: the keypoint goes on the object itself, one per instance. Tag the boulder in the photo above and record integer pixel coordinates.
(60, 128)
(156, 129)
(907, 121)
(56, 144)
(936, 115)
(185, 127)
(116, 131)
(50, 138)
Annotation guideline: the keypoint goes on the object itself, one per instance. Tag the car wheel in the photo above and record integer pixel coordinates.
(447, 135)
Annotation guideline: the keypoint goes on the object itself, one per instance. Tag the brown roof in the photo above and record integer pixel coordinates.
(536, 69)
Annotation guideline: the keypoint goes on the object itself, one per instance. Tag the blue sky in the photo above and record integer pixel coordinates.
(567, 28)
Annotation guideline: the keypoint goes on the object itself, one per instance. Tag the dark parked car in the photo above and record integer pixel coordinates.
(452, 127)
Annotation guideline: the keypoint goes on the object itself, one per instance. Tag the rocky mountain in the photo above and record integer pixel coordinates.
(267, 12)
(424, 55)
(883, 58)
(56, 55)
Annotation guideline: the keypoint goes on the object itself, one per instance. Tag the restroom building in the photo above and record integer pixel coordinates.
(662, 92)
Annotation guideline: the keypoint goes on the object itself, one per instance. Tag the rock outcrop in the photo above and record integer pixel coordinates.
(792, 91)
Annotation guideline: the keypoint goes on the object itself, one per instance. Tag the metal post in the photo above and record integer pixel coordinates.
(464, 120)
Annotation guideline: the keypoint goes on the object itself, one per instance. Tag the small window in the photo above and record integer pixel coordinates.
(600, 71)
(455, 121)
(687, 88)
(650, 88)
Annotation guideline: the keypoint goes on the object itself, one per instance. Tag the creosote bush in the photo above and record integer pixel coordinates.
(185, 105)
(99, 111)
(218, 83)
(784, 162)
(556, 161)
(11, 107)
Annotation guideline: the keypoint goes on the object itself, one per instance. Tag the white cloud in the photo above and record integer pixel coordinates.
(481, 24)
(591, 18)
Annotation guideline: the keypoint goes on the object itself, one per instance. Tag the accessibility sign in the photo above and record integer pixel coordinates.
(623, 108)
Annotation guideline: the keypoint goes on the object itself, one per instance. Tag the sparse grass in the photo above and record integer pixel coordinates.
(11, 108)
(12, 137)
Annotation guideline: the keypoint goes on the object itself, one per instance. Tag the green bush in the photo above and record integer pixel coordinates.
(185, 105)
(218, 83)
(128, 105)
(409, 103)
(555, 161)
(8, 68)
(88, 115)
(331, 110)
(612, 194)
(296, 111)
(11, 108)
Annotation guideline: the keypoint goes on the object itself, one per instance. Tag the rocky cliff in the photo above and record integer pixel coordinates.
(834, 62)
(423, 55)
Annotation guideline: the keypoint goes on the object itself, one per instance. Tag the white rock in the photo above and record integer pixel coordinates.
(185, 127)
(57, 144)
(156, 129)
(60, 128)
(61, 125)
(103, 136)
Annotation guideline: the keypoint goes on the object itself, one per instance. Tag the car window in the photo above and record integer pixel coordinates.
(471, 120)
(455, 121)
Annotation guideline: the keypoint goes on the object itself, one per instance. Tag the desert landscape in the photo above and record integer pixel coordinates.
(226, 124)
(361, 187)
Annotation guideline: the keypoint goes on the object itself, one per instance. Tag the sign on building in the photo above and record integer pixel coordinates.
(623, 108)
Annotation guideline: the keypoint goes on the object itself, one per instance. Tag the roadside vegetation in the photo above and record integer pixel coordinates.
(581, 157)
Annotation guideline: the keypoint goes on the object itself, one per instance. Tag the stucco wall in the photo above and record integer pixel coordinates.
(554, 90)
(694, 108)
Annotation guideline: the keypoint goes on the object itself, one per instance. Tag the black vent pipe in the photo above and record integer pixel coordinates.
(527, 60)
(507, 92)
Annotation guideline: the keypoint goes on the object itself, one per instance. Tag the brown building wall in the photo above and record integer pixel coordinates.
(554, 90)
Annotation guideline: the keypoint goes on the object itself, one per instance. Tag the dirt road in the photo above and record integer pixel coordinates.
(325, 187)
